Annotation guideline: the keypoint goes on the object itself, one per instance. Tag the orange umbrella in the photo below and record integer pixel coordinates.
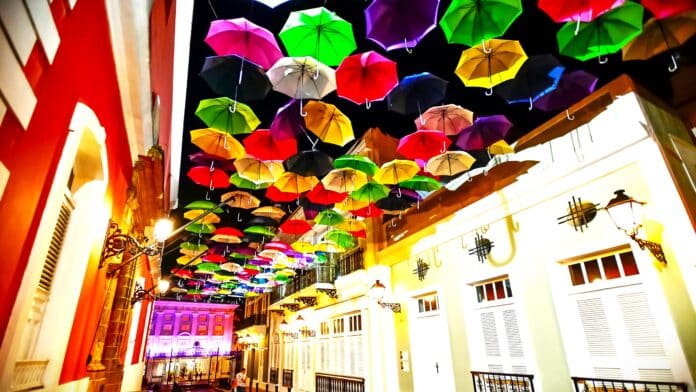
(258, 171)
(290, 182)
(449, 163)
(328, 123)
(272, 212)
(193, 214)
(344, 180)
(240, 199)
(217, 143)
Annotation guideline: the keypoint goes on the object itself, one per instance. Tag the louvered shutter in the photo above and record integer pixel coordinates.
(490, 334)
(600, 342)
(54, 248)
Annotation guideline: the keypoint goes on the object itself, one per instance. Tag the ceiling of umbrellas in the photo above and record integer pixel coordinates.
(280, 183)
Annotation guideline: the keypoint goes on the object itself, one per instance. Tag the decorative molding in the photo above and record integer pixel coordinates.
(421, 269)
(308, 300)
(579, 214)
(293, 307)
(332, 293)
(279, 312)
(482, 247)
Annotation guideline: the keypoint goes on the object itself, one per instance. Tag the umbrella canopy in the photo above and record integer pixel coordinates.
(484, 132)
(328, 218)
(470, 22)
(227, 115)
(295, 226)
(217, 143)
(370, 192)
(667, 8)
(344, 180)
(228, 230)
(423, 144)
(421, 183)
(264, 146)
(450, 119)
(500, 148)
(235, 77)
(260, 230)
(350, 204)
(243, 183)
(272, 212)
(357, 162)
(209, 218)
(371, 211)
(572, 87)
(576, 10)
(192, 249)
(321, 195)
(538, 76)
(302, 247)
(258, 171)
(396, 171)
(240, 199)
(319, 33)
(351, 225)
(200, 228)
(328, 123)
(231, 267)
(393, 204)
(206, 205)
(262, 221)
(203, 175)
(328, 247)
(604, 35)
(395, 24)
(416, 93)
(486, 67)
(302, 78)
(449, 164)
(203, 159)
(291, 182)
(341, 238)
(366, 77)
(310, 163)
(276, 195)
(243, 38)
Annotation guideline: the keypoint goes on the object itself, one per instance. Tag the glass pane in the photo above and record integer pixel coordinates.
(421, 306)
(507, 288)
(499, 290)
(592, 268)
(611, 269)
(490, 296)
(629, 264)
(479, 294)
(427, 305)
(576, 274)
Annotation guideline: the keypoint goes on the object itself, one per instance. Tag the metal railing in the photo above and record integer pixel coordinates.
(273, 376)
(350, 262)
(584, 384)
(336, 383)
(287, 378)
(28, 374)
(257, 319)
(502, 382)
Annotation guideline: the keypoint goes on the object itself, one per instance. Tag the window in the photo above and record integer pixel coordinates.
(338, 325)
(167, 327)
(355, 323)
(153, 324)
(428, 304)
(202, 328)
(185, 323)
(494, 290)
(608, 267)
(324, 328)
(219, 326)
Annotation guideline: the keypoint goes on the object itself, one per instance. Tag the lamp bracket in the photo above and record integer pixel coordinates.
(277, 311)
(393, 306)
(308, 300)
(654, 248)
(332, 293)
(293, 307)
(140, 293)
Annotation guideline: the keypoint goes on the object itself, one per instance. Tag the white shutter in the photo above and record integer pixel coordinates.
(640, 325)
(596, 326)
(490, 334)
(512, 332)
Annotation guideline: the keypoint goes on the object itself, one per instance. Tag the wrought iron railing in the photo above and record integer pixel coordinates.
(28, 374)
(502, 382)
(350, 262)
(583, 384)
(287, 378)
(256, 319)
(273, 376)
(336, 383)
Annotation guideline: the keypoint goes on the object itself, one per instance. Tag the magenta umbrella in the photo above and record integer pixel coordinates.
(245, 39)
(395, 24)
(366, 77)
(288, 123)
(201, 158)
(484, 132)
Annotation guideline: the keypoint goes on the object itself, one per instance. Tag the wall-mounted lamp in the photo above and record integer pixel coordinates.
(248, 342)
(304, 329)
(140, 292)
(626, 213)
(377, 292)
(117, 242)
(286, 330)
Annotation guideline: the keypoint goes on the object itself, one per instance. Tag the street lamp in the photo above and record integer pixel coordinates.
(140, 292)
(377, 293)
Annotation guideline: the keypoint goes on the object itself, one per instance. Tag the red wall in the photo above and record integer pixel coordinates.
(83, 70)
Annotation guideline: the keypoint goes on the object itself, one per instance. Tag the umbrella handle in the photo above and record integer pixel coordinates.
(483, 47)
(392, 223)
(444, 148)
(233, 107)
(422, 120)
(398, 192)
(577, 27)
(239, 217)
(408, 50)
(674, 66)
(602, 60)
(207, 195)
(368, 104)
(569, 116)
(531, 104)
(224, 143)
(418, 204)
(211, 186)
(489, 92)
(302, 112)
(316, 73)
(212, 166)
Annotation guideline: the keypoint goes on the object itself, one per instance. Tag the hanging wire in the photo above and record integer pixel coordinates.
(213, 9)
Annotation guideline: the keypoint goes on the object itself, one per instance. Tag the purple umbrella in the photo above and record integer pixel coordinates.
(288, 123)
(201, 158)
(572, 87)
(243, 38)
(405, 193)
(484, 132)
(395, 24)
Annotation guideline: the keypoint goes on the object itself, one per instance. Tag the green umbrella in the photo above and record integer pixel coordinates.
(243, 183)
(606, 34)
(227, 115)
(471, 22)
(328, 218)
(261, 230)
(342, 238)
(421, 183)
(201, 228)
(357, 162)
(208, 267)
(204, 205)
(370, 192)
(228, 285)
(190, 246)
(319, 33)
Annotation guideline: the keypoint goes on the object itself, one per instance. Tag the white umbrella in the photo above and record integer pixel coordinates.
(302, 78)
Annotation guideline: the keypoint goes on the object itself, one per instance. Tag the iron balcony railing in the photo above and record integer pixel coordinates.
(256, 319)
(502, 382)
(336, 383)
(28, 374)
(273, 376)
(584, 384)
(287, 378)
(350, 262)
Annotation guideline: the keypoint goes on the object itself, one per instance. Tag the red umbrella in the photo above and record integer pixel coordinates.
(577, 10)
(666, 8)
(182, 273)
(371, 211)
(231, 231)
(214, 258)
(320, 195)
(262, 145)
(358, 234)
(276, 195)
(295, 226)
(366, 77)
(423, 144)
(202, 175)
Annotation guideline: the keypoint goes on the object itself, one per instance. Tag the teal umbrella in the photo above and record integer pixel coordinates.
(319, 33)
(606, 34)
(227, 115)
(357, 162)
(260, 230)
(370, 192)
(470, 22)
(329, 218)
(421, 183)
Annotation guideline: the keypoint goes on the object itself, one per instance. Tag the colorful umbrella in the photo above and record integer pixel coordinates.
(203, 159)
(450, 119)
(328, 218)
(260, 230)
(344, 180)
(341, 238)
(667, 8)
(264, 146)
(423, 144)
(319, 33)
(416, 93)
(486, 67)
(328, 247)
(350, 204)
(227, 115)
(240, 199)
(231, 267)
(302, 78)
(393, 204)
(209, 218)
(217, 143)
(321, 195)
(203, 175)
(370, 192)
(604, 35)
(290, 182)
(288, 122)
(484, 132)
(395, 24)
(224, 233)
(213, 258)
(470, 22)
(206, 205)
(357, 162)
(366, 77)
(263, 221)
(310, 163)
(449, 164)
(328, 123)
(371, 211)
(258, 171)
(200, 228)
(243, 183)
(576, 10)
(274, 194)
(272, 212)
(182, 273)
(188, 259)
(661, 35)
(396, 171)
(351, 225)
(303, 247)
(421, 183)
(500, 147)
(192, 249)
(235, 77)
(295, 226)
(272, 3)
(572, 87)
(243, 38)
(538, 76)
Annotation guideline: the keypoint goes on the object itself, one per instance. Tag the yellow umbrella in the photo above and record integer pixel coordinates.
(481, 66)
(226, 238)
(328, 123)
(350, 204)
(328, 246)
(272, 212)
(396, 171)
(290, 182)
(240, 199)
(185, 259)
(302, 247)
(217, 143)
(352, 225)
(500, 147)
(449, 163)
(344, 180)
(210, 218)
(258, 171)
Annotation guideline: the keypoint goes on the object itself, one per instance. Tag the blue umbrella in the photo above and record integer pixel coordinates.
(416, 93)
(395, 24)
(572, 87)
(538, 76)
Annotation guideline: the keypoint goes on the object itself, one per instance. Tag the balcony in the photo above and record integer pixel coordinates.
(583, 384)
(335, 383)
(273, 376)
(503, 382)
(28, 374)
(256, 319)
(287, 378)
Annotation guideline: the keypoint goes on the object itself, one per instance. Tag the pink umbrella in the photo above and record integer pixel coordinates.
(450, 119)
(243, 38)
